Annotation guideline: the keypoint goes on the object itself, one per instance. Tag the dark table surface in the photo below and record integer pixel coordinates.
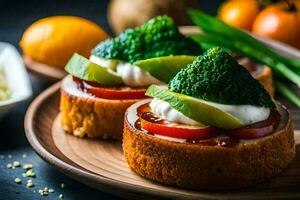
(15, 16)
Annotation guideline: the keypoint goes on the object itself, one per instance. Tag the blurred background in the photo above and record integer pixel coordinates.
(16, 16)
(259, 16)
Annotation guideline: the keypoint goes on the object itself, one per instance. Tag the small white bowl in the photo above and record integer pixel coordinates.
(16, 76)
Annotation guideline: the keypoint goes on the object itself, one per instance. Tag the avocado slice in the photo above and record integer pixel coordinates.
(195, 109)
(84, 69)
(164, 68)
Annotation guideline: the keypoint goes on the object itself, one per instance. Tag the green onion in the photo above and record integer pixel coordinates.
(287, 92)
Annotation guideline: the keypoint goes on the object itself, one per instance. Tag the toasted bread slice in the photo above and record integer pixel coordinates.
(198, 166)
(85, 115)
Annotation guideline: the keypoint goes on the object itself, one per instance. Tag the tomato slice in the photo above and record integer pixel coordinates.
(162, 127)
(119, 93)
(257, 130)
(156, 125)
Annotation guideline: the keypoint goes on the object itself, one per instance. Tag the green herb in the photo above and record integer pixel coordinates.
(287, 92)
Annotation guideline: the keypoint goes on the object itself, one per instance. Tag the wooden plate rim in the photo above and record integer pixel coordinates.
(42, 70)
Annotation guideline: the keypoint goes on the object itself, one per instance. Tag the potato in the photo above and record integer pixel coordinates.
(124, 14)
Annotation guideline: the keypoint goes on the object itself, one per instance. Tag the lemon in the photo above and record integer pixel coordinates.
(53, 40)
(164, 68)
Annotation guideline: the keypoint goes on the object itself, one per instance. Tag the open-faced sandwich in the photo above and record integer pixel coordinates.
(96, 94)
(214, 127)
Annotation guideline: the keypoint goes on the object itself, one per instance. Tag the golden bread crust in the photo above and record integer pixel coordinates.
(93, 117)
(208, 167)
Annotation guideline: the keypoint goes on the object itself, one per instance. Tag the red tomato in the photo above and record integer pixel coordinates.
(122, 92)
(280, 21)
(257, 130)
(177, 131)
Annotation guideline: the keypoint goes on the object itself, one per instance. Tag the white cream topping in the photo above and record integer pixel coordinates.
(165, 111)
(247, 114)
(131, 74)
(131, 116)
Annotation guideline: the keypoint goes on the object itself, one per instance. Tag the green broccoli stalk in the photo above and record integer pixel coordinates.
(217, 77)
(158, 37)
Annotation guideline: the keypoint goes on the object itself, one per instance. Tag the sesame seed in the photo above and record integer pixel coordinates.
(18, 180)
(27, 166)
(30, 184)
(61, 196)
(16, 164)
(62, 185)
(30, 173)
(9, 156)
(9, 165)
(1, 157)
(51, 190)
(24, 155)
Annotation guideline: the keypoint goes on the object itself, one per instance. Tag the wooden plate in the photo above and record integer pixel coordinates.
(44, 71)
(101, 164)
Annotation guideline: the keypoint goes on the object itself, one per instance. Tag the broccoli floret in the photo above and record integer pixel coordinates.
(217, 77)
(158, 37)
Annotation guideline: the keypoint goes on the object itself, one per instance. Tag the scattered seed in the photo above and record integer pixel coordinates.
(29, 181)
(30, 173)
(9, 156)
(16, 164)
(51, 190)
(27, 166)
(61, 196)
(42, 192)
(62, 185)
(24, 155)
(18, 180)
(9, 165)
(23, 174)
(1, 157)
(30, 184)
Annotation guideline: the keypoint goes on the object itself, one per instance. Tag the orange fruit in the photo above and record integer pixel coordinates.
(281, 22)
(239, 13)
(53, 40)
